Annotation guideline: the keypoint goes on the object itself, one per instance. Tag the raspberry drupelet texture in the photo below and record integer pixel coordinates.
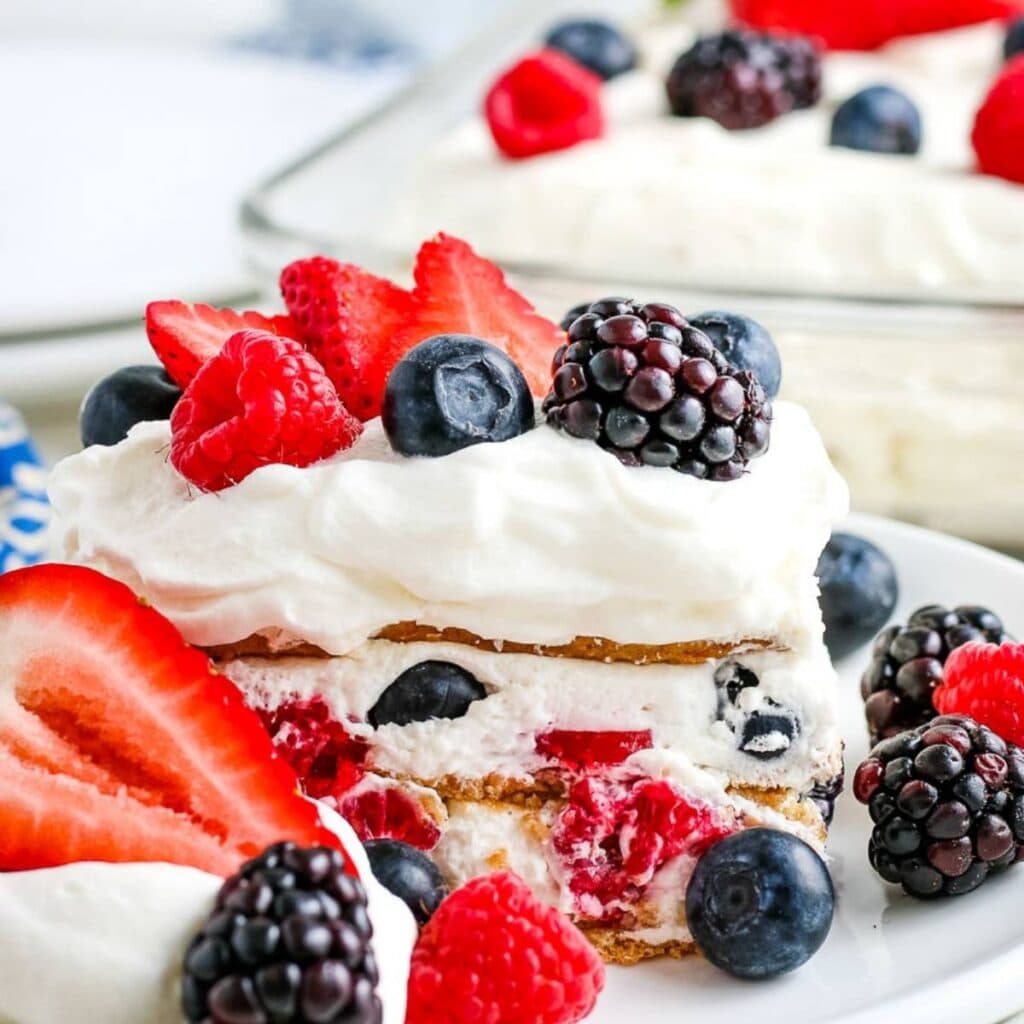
(908, 663)
(493, 952)
(262, 400)
(646, 385)
(947, 801)
(986, 682)
(745, 79)
(288, 940)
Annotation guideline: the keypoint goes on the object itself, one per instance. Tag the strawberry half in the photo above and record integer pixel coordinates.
(185, 336)
(459, 292)
(349, 319)
(868, 24)
(119, 743)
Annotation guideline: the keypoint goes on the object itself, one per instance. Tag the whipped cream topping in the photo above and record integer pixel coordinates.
(528, 695)
(775, 207)
(539, 539)
(112, 937)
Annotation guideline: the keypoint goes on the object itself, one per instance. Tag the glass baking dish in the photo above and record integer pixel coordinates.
(921, 403)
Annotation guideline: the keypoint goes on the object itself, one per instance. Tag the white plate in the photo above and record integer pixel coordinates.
(888, 959)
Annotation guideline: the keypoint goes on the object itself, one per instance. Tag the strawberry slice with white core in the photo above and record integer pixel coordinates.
(118, 742)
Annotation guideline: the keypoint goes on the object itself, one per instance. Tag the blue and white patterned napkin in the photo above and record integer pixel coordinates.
(24, 509)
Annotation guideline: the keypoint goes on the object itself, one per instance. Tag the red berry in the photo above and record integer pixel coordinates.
(389, 813)
(998, 135)
(494, 953)
(986, 681)
(868, 24)
(867, 780)
(119, 743)
(261, 400)
(350, 320)
(459, 292)
(578, 749)
(544, 103)
(185, 336)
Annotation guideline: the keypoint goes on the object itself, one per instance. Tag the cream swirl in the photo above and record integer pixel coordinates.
(539, 539)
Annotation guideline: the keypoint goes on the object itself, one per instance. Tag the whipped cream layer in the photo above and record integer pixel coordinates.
(111, 938)
(662, 198)
(528, 695)
(539, 540)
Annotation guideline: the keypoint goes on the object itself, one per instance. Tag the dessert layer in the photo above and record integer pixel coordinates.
(776, 206)
(118, 933)
(537, 540)
(763, 719)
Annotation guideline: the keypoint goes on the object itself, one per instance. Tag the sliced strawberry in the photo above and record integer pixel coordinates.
(868, 24)
(578, 749)
(459, 292)
(349, 319)
(119, 743)
(185, 336)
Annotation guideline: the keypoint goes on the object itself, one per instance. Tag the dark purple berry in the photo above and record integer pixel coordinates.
(650, 390)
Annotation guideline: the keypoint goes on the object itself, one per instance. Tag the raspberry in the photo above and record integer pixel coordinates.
(616, 831)
(646, 385)
(577, 749)
(907, 664)
(986, 682)
(947, 800)
(388, 813)
(262, 400)
(544, 103)
(493, 953)
(999, 125)
(744, 79)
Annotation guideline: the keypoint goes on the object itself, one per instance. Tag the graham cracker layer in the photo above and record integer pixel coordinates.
(619, 948)
(585, 648)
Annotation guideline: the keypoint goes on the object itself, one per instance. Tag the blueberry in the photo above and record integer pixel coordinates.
(878, 120)
(1014, 42)
(133, 394)
(408, 873)
(769, 734)
(597, 45)
(431, 689)
(859, 590)
(745, 344)
(760, 903)
(453, 391)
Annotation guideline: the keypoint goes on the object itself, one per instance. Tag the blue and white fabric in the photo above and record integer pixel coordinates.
(24, 509)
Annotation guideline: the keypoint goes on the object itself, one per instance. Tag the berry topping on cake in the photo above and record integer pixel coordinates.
(867, 24)
(388, 812)
(598, 45)
(288, 941)
(545, 102)
(350, 320)
(745, 344)
(408, 873)
(578, 750)
(119, 743)
(431, 689)
(986, 682)
(760, 903)
(745, 79)
(649, 387)
(1013, 44)
(133, 394)
(459, 292)
(618, 829)
(947, 800)
(493, 952)
(185, 336)
(454, 391)
(907, 664)
(261, 400)
(859, 590)
(880, 119)
(999, 125)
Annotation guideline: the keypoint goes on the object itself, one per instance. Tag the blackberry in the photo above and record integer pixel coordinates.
(907, 664)
(745, 79)
(825, 794)
(289, 940)
(946, 799)
(649, 387)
